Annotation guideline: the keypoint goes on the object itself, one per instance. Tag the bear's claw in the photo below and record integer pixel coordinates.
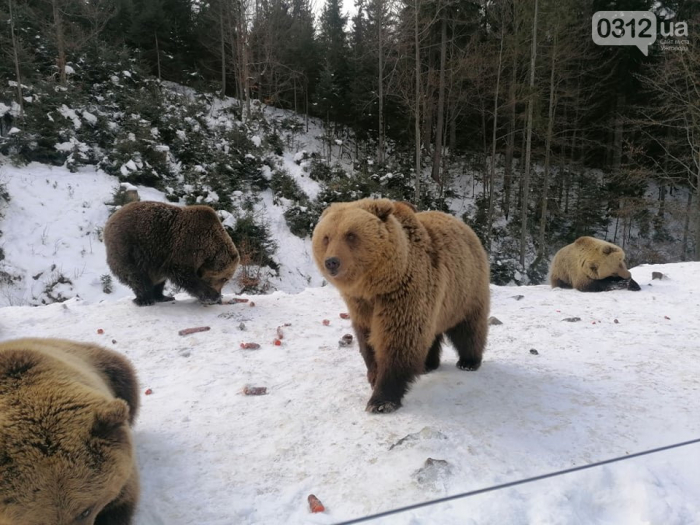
(469, 366)
(382, 407)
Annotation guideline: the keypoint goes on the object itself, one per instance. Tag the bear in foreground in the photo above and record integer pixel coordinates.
(591, 265)
(408, 279)
(149, 242)
(66, 452)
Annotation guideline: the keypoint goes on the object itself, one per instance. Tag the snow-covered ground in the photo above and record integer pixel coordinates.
(624, 378)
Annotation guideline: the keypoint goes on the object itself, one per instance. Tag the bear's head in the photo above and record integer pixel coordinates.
(360, 246)
(606, 260)
(219, 269)
(64, 454)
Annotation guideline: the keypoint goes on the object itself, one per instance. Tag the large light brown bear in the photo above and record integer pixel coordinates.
(150, 242)
(408, 278)
(66, 452)
(591, 265)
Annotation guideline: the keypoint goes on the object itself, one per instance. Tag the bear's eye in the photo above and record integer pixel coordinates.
(85, 514)
(350, 237)
(326, 240)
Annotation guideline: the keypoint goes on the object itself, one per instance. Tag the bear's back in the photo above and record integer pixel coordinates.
(54, 364)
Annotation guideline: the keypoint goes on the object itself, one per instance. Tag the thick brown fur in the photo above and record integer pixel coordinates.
(149, 242)
(591, 265)
(407, 279)
(66, 451)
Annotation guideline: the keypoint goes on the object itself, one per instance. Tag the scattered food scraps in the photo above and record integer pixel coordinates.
(326, 322)
(277, 342)
(194, 330)
(250, 346)
(251, 303)
(344, 315)
(254, 390)
(238, 300)
(315, 504)
(280, 333)
(148, 392)
(100, 331)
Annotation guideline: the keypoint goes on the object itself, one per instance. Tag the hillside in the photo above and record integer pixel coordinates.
(622, 379)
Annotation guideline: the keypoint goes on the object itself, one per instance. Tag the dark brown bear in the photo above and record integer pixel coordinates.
(408, 279)
(149, 242)
(66, 451)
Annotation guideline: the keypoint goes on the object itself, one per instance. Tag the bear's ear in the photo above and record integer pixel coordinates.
(607, 250)
(594, 268)
(110, 418)
(382, 208)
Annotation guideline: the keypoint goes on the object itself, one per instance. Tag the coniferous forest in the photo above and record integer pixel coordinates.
(508, 102)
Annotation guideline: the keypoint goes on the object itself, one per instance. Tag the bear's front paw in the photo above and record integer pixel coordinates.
(633, 286)
(469, 365)
(377, 406)
(211, 300)
(144, 301)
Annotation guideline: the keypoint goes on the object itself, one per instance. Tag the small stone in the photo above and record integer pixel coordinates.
(572, 319)
(518, 297)
(494, 321)
(241, 326)
(346, 340)
(114, 341)
(433, 474)
(616, 321)
(657, 275)
(426, 433)
(534, 352)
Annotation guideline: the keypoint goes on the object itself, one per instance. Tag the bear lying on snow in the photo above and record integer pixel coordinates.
(149, 242)
(66, 454)
(407, 279)
(591, 265)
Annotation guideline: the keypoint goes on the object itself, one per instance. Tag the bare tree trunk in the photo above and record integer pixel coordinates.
(541, 249)
(492, 177)
(60, 42)
(157, 54)
(418, 101)
(20, 99)
(380, 75)
(528, 146)
(686, 225)
(618, 133)
(510, 146)
(697, 214)
(437, 153)
(223, 52)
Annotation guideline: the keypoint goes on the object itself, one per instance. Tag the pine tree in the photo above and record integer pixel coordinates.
(334, 85)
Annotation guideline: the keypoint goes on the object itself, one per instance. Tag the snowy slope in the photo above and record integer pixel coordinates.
(597, 389)
(52, 227)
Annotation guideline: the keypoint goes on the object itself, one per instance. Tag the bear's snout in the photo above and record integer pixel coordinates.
(332, 265)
